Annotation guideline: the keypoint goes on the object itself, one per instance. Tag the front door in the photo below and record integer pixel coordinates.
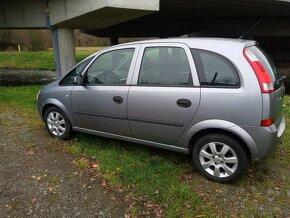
(166, 93)
(100, 104)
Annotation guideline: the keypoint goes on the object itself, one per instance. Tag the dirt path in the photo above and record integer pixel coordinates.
(38, 180)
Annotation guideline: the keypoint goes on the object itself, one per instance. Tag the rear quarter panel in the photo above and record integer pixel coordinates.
(240, 106)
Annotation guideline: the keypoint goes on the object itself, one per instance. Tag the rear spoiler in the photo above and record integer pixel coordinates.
(250, 43)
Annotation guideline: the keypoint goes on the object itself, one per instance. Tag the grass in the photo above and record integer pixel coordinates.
(166, 178)
(81, 163)
(42, 60)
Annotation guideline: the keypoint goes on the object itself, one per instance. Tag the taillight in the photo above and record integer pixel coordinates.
(264, 79)
(267, 122)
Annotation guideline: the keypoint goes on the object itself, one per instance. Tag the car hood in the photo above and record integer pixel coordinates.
(51, 85)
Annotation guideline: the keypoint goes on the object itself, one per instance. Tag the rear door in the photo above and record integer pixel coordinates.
(165, 92)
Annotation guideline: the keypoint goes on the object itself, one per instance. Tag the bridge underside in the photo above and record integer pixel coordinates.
(223, 17)
(151, 18)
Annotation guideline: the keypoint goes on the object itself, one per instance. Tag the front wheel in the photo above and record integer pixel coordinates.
(57, 123)
(220, 158)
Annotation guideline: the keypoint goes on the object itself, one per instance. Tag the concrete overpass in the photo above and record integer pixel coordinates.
(150, 18)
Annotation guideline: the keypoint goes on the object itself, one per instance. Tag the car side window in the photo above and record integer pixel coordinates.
(110, 68)
(69, 78)
(164, 66)
(215, 70)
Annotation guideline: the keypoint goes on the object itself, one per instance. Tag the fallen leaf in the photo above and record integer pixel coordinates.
(96, 165)
(33, 200)
(28, 213)
(97, 174)
(50, 189)
(187, 205)
(30, 152)
(105, 184)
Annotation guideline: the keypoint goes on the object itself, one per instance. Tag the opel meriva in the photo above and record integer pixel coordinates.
(219, 100)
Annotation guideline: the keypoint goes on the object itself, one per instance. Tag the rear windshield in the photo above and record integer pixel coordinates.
(266, 61)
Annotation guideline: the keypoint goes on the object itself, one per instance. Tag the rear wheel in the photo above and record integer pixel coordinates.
(220, 158)
(57, 123)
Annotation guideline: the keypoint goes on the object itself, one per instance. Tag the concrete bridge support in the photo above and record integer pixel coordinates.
(64, 50)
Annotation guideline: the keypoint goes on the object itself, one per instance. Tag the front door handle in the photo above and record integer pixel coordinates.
(118, 99)
(184, 103)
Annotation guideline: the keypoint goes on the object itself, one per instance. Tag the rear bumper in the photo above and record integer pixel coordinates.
(266, 138)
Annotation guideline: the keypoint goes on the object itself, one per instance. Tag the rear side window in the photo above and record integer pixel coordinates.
(215, 70)
(165, 66)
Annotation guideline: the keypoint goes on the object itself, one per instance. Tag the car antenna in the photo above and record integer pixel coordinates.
(242, 36)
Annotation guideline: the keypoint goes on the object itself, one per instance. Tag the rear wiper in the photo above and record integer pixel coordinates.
(214, 77)
(280, 79)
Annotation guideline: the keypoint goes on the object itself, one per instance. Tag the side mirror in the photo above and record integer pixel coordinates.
(79, 80)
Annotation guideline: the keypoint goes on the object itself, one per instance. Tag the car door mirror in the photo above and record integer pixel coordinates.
(79, 80)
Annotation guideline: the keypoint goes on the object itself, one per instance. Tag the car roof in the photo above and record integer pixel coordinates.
(193, 39)
(195, 42)
(192, 42)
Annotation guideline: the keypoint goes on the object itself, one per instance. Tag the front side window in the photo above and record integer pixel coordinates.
(215, 70)
(110, 68)
(165, 66)
(69, 78)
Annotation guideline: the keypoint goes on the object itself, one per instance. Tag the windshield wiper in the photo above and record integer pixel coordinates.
(280, 79)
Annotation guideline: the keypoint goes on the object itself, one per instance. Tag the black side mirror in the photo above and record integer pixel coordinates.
(79, 80)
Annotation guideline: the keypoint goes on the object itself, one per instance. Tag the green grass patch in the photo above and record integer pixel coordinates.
(29, 145)
(41, 60)
(52, 179)
(23, 96)
(154, 173)
(81, 163)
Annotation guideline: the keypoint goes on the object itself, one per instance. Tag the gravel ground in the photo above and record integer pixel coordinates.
(38, 180)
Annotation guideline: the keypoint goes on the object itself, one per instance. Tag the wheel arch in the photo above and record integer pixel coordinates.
(51, 102)
(208, 131)
(222, 127)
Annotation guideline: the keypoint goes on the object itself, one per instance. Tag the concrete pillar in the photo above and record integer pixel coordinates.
(64, 50)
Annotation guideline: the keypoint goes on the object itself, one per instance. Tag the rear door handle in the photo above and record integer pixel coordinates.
(184, 103)
(118, 99)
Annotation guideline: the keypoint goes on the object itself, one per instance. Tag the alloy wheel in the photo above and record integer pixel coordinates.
(218, 159)
(56, 123)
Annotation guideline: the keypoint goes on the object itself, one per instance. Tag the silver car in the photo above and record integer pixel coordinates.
(219, 100)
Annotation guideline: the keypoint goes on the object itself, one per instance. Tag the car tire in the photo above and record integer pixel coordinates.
(220, 158)
(57, 123)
